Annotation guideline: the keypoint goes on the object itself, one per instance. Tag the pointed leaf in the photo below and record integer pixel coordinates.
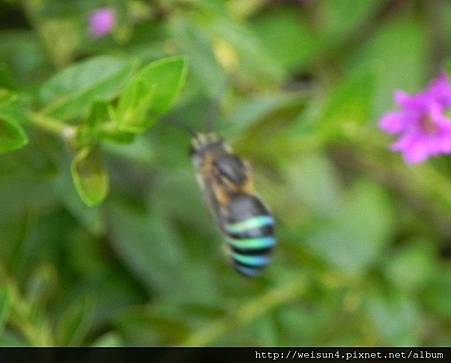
(90, 177)
(98, 114)
(154, 89)
(90, 218)
(167, 76)
(71, 92)
(12, 136)
(133, 107)
(12, 108)
(75, 323)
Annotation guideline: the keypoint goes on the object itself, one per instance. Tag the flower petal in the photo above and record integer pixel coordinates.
(393, 122)
(443, 144)
(402, 98)
(440, 89)
(101, 22)
(424, 128)
(413, 103)
(416, 153)
(405, 141)
(441, 83)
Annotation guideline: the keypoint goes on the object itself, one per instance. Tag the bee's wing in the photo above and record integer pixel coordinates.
(213, 204)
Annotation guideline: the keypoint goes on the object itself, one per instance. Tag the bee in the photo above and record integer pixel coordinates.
(245, 222)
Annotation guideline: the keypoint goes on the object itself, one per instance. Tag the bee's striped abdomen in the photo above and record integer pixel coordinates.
(247, 225)
(251, 239)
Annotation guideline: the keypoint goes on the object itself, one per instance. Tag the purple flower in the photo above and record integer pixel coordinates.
(101, 22)
(422, 123)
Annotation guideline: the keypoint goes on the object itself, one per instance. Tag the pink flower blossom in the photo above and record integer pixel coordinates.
(101, 22)
(422, 123)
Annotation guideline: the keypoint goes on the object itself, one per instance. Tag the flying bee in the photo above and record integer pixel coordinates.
(245, 222)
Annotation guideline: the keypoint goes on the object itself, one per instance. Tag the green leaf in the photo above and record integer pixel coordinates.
(5, 306)
(314, 185)
(90, 218)
(90, 131)
(248, 48)
(75, 323)
(287, 36)
(437, 293)
(348, 108)
(100, 125)
(12, 108)
(149, 247)
(412, 267)
(133, 108)
(71, 92)
(141, 150)
(264, 109)
(147, 327)
(10, 339)
(350, 105)
(6, 77)
(167, 76)
(12, 136)
(153, 89)
(23, 53)
(61, 38)
(196, 45)
(386, 53)
(396, 318)
(6, 97)
(90, 177)
(98, 114)
(356, 236)
(356, 13)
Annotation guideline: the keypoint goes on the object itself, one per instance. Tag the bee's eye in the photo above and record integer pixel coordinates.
(231, 168)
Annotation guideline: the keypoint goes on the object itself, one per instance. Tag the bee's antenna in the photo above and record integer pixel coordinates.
(214, 108)
(181, 126)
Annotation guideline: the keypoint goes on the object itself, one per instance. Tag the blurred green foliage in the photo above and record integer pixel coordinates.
(364, 240)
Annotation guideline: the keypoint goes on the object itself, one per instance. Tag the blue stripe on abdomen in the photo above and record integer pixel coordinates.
(248, 271)
(250, 224)
(252, 243)
(251, 261)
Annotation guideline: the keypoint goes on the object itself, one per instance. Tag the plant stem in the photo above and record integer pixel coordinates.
(247, 313)
(52, 125)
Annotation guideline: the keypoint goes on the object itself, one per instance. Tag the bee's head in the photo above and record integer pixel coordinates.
(202, 143)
